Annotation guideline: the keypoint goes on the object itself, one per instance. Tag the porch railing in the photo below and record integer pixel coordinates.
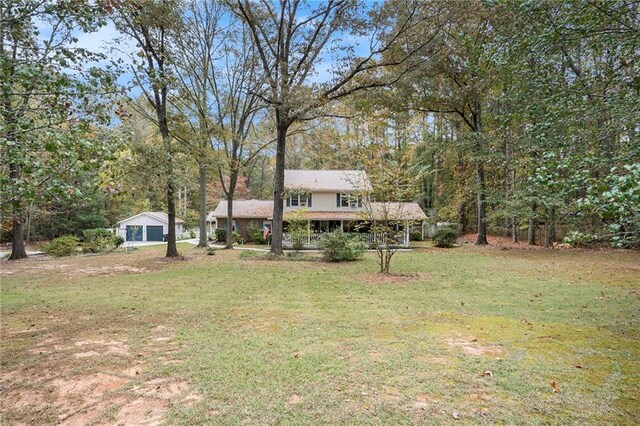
(400, 238)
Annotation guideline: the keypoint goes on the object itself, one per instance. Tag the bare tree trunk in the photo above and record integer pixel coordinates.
(507, 185)
(553, 226)
(29, 219)
(533, 224)
(229, 238)
(480, 181)
(547, 230)
(482, 213)
(462, 216)
(202, 199)
(514, 220)
(17, 242)
(278, 190)
(172, 248)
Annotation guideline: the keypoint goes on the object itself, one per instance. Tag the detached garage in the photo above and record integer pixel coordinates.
(147, 226)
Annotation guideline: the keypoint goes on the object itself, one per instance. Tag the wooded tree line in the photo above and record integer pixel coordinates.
(516, 118)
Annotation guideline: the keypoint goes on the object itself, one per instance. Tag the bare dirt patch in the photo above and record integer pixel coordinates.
(422, 401)
(122, 392)
(85, 389)
(163, 388)
(471, 346)
(295, 399)
(85, 354)
(142, 411)
(96, 347)
(106, 271)
(375, 356)
(81, 266)
(379, 278)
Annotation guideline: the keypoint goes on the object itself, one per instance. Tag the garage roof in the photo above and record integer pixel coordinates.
(160, 216)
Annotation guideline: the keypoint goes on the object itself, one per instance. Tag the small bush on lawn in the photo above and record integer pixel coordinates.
(100, 240)
(254, 234)
(63, 246)
(581, 239)
(248, 254)
(221, 235)
(340, 247)
(415, 236)
(445, 237)
(118, 240)
(300, 257)
(237, 239)
(94, 233)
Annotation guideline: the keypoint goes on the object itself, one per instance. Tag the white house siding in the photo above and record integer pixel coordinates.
(145, 220)
(323, 202)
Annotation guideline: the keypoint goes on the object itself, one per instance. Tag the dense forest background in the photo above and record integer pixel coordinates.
(521, 117)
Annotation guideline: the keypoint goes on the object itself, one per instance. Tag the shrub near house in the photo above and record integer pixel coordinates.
(100, 240)
(66, 245)
(255, 234)
(445, 238)
(339, 247)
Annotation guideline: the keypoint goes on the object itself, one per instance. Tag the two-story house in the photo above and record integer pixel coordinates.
(332, 200)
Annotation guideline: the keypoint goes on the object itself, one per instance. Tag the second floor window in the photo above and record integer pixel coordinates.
(298, 200)
(348, 200)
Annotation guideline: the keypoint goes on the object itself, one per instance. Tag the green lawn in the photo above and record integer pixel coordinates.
(465, 336)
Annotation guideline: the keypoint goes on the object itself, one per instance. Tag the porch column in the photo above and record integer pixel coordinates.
(406, 233)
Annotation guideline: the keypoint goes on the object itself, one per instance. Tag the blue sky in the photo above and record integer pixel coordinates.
(109, 41)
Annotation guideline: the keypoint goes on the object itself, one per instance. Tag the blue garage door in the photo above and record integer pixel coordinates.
(154, 233)
(134, 233)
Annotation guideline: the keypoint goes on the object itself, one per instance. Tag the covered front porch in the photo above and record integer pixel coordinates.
(397, 236)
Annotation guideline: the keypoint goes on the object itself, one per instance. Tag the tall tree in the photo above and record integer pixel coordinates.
(221, 80)
(293, 37)
(458, 80)
(48, 102)
(196, 47)
(149, 24)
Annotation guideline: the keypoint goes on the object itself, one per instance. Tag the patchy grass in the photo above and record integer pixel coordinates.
(464, 335)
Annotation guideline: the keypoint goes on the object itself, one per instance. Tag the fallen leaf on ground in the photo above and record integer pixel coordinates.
(555, 387)
(455, 415)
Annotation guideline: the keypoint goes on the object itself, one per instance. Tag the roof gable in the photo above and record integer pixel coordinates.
(160, 216)
(245, 209)
(327, 180)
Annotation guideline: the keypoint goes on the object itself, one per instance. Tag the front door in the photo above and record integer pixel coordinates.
(154, 233)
